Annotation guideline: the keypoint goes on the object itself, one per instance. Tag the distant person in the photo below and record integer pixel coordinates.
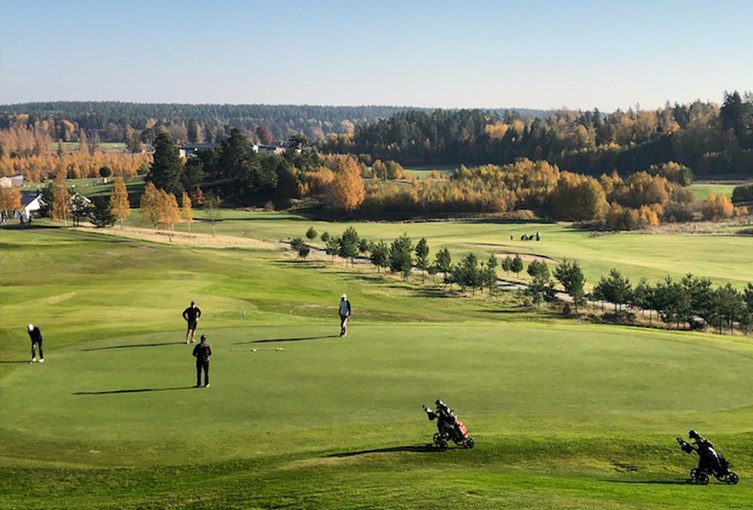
(344, 314)
(191, 315)
(202, 352)
(538, 236)
(36, 340)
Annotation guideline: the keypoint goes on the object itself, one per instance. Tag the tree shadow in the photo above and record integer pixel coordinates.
(134, 346)
(136, 390)
(427, 448)
(651, 482)
(299, 339)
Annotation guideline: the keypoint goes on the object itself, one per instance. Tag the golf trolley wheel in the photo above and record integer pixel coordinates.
(701, 478)
(731, 478)
(437, 438)
(469, 442)
(442, 445)
(692, 473)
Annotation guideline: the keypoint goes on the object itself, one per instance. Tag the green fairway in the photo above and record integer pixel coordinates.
(701, 190)
(722, 257)
(565, 415)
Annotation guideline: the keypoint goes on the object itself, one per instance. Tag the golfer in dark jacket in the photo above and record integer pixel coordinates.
(36, 340)
(344, 311)
(191, 316)
(202, 352)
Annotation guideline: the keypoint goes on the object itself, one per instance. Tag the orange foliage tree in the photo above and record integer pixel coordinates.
(10, 200)
(347, 189)
(60, 209)
(119, 206)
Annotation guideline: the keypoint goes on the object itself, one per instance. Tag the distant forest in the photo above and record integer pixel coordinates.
(191, 123)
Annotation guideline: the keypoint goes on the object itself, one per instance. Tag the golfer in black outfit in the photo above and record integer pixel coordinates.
(202, 352)
(36, 340)
(191, 315)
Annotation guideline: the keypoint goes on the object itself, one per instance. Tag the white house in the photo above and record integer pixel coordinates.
(31, 202)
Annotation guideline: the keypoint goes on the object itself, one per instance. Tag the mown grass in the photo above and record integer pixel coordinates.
(720, 256)
(564, 415)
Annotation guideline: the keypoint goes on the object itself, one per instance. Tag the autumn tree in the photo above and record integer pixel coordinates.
(149, 204)
(264, 134)
(717, 207)
(119, 204)
(186, 211)
(168, 212)
(10, 200)
(347, 189)
(60, 209)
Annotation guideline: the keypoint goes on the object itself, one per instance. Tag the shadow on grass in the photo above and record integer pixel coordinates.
(427, 448)
(299, 339)
(651, 482)
(136, 390)
(132, 346)
(10, 362)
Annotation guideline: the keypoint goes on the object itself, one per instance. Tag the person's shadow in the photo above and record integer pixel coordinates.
(135, 390)
(298, 339)
(131, 346)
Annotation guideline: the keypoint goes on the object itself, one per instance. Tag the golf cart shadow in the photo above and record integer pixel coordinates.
(427, 448)
(651, 482)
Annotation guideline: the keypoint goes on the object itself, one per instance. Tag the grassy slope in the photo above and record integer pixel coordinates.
(565, 415)
(720, 257)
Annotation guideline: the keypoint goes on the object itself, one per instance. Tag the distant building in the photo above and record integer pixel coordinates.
(192, 149)
(12, 180)
(269, 149)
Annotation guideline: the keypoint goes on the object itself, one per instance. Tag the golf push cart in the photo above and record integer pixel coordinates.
(449, 428)
(710, 462)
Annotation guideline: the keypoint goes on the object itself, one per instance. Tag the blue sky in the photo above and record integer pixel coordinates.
(534, 54)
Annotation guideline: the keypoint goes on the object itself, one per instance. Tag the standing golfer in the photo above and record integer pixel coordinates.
(36, 340)
(344, 314)
(202, 352)
(191, 316)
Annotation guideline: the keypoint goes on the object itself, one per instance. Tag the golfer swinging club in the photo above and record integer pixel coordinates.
(344, 314)
(191, 316)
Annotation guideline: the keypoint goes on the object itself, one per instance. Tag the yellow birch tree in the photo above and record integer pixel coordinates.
(186, 212)
(149, 204)
(60, 209)
(119, 206)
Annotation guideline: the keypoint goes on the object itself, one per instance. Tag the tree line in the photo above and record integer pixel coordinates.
(690, 303)
(187, 123)
(709, 139)
(647, 198)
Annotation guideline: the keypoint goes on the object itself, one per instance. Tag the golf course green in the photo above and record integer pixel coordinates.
(565, 414)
